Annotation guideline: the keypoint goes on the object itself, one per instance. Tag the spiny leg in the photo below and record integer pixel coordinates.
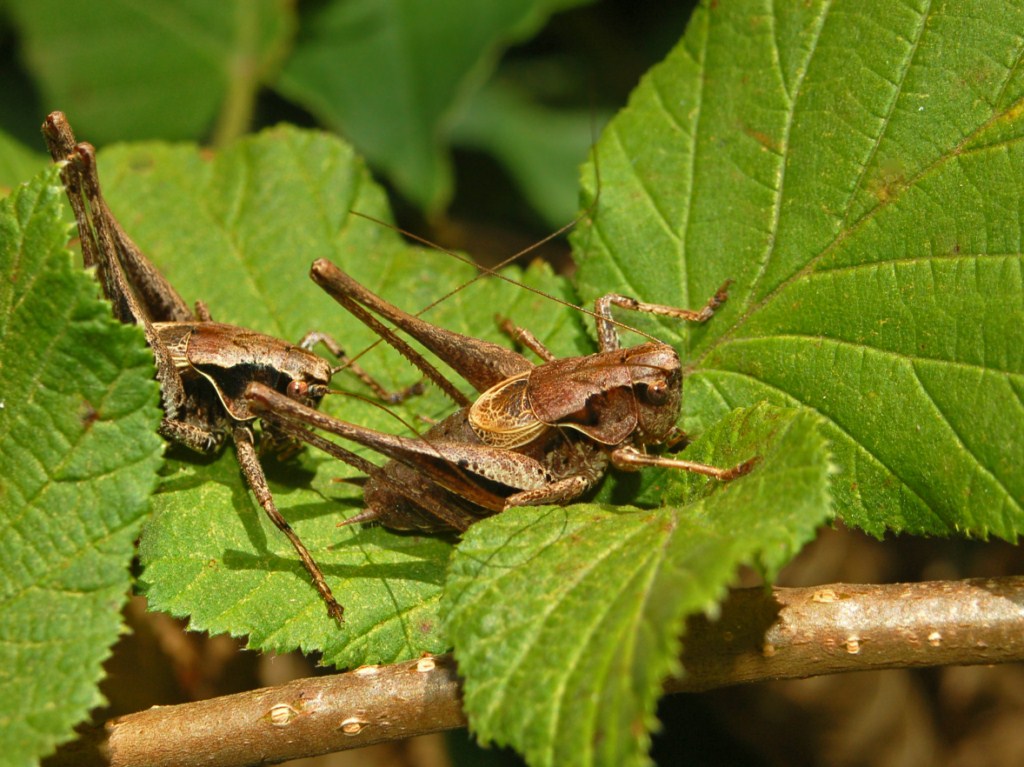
(608, 336)
(480, 363)
(416, 496)
(521, 335)
(128, 307)
(253, 472)
(156, 298)
(203, 441)
(61, 142)
(312, 338)
(631, 459)
(203, 312)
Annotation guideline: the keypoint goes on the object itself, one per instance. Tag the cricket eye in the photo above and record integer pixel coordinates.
(297, 389)
(657, 393)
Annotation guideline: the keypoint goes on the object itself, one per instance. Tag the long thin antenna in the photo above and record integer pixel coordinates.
(493, 271)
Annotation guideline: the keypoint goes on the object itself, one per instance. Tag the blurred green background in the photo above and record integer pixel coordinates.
(468, 111)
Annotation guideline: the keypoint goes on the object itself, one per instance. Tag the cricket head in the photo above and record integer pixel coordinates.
(657, 379)
(305, 377)
(230, 357)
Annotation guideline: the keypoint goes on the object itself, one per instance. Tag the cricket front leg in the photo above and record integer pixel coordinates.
(608, 336)
(196, 438)
(558, 493)
(589, 466)
(313, 338)
(249, 462)
(521, 335)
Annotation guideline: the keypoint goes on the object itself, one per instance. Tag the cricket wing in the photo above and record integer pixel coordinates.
(502, 416)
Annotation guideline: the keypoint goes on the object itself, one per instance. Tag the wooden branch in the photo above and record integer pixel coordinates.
(782, 633)
(797, 633)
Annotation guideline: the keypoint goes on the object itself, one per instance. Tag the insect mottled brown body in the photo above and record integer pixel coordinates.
(203, 366)
(536, 434)
(228, 357)
(595, 395)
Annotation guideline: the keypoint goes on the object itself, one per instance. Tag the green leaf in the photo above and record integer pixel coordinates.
(566, 621)
(856, 169)
(142, 70)
(257, 215)
(540, 147)
(78, 460)
(17, 162)
(390, 76)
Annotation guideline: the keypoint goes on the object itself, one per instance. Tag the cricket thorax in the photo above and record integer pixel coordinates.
(657, 383)
(229, 357)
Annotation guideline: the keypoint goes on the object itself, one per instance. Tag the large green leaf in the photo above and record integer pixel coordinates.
(566, 622)
(240, 232)
(390, 76)
(16, 162)
(78, 460)
(856, 168)
(127, 70)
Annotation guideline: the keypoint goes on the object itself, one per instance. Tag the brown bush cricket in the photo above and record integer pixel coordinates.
(203, 366)
(536, 434)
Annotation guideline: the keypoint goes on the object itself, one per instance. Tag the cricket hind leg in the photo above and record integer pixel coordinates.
(61, 142)
(390, 501)
(106, 245)
(481, 363)
(249, 462)
(122, 267)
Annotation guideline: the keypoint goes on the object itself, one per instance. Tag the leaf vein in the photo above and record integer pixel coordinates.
(862, 347)
(780, 187)
(918, 261)
(691, 169)
(886, 119)
(963, 444)
(1011, 71)
(579, 577)
(792, 399)
(954, 155)
(648, 565)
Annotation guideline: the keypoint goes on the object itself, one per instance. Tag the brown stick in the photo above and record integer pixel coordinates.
(792, 633)
(784, 633)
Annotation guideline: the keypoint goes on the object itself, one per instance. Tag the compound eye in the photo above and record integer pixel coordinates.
(297, 389)
(657, 393)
